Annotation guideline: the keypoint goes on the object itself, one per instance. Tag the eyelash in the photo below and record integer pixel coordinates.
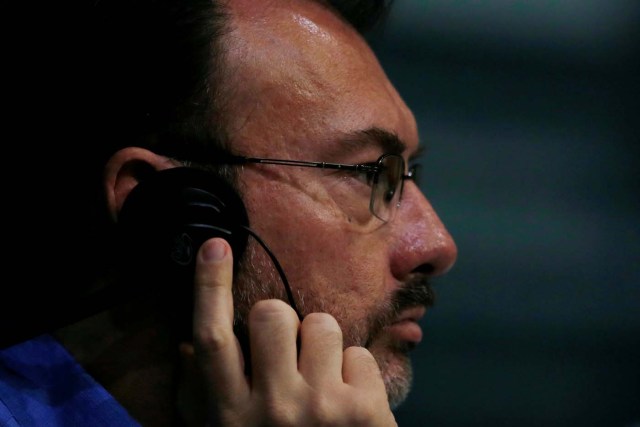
(362, 176)
(366, 177)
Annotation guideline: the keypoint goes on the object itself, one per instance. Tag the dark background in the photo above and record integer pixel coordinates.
(529, 112)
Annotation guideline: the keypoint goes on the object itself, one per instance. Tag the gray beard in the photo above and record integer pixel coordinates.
(259, 280)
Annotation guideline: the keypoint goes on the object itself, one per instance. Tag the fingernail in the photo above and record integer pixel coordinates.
(214, 250)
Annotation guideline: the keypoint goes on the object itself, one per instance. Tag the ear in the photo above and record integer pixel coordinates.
(125, 169)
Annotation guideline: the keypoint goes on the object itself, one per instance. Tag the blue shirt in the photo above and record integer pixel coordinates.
(41, 384)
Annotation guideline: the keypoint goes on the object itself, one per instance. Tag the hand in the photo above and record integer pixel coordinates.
(323, 386)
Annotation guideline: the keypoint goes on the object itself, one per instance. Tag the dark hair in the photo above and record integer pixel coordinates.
(136, 73)
(156, 63)
(363, 15)
(155, 72)
(159, 67)
(160, 64)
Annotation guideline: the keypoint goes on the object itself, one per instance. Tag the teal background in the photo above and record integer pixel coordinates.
(529, 111)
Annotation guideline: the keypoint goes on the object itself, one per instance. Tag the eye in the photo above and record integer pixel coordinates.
(366, 177)
(369, 176)
(388, 195)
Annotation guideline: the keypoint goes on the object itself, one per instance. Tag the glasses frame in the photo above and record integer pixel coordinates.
(374, 168)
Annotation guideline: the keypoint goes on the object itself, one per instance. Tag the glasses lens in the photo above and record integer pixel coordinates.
(387, 186)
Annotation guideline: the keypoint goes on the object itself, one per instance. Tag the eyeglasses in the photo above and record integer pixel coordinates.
(386, 177)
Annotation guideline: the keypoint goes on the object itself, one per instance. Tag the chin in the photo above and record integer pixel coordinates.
(397, 374)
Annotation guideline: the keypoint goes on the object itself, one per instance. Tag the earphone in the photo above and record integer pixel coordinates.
(170, 213)
(167, 217)
(163, 222)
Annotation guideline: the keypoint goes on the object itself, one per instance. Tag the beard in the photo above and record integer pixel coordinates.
(259, 280)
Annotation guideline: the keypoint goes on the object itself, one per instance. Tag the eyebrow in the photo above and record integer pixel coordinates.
(387, 141)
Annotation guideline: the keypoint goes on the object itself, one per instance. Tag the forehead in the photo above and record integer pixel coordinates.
(302, 79)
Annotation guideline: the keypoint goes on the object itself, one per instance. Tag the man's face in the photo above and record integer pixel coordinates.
(305, 86)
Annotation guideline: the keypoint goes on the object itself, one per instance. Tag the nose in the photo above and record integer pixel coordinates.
(421, 242)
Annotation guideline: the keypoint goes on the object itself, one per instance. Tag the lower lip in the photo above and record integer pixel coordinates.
(406, 330)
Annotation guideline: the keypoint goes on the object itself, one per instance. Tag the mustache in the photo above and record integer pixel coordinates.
(415, 292)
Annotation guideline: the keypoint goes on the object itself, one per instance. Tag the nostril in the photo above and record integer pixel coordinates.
(425, 269)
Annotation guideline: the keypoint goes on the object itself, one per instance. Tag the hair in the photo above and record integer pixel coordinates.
(145, 73)
(155, 70)
(160, 71)
(160, 66)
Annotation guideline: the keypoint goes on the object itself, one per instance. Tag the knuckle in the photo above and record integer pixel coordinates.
(213, 339)
(281, 412)
(368, 408)
(323, 411)
(363, 412)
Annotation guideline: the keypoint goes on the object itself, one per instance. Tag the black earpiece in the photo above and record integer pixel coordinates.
(170, 213)
(162, 224)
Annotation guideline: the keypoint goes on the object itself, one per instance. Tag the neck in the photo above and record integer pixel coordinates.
(132, 356)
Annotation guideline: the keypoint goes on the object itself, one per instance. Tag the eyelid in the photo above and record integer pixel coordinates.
(364, 177)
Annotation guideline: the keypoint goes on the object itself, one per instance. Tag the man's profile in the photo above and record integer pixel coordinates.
(284, 102)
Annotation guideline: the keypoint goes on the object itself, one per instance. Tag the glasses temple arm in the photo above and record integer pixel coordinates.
(301, 163)
(283, 277)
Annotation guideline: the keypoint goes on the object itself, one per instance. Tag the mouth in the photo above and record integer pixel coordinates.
(405, 328)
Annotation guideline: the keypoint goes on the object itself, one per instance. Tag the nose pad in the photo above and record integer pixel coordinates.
(421, 242)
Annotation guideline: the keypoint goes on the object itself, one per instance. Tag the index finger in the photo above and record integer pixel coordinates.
(216, 346)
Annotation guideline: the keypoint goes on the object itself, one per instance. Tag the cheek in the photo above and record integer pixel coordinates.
(332, 263)
(352, 199)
